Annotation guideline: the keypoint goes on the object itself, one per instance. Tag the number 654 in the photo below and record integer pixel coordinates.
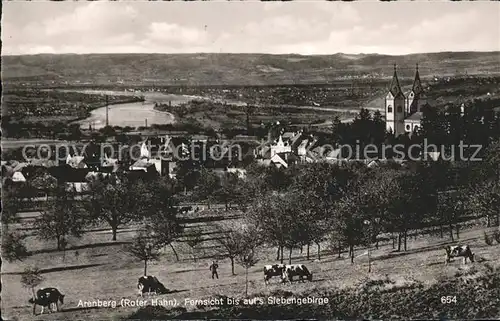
(448, 299)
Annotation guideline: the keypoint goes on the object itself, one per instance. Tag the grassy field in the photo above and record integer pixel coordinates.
(96, 268)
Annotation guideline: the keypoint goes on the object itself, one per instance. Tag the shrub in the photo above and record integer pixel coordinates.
(13, 247)
(496, 236)
(487, 239)
(31, 278)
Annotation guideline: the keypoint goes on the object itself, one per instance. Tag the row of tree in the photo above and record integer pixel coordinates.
(478, 125)
(351, 205)
(289, 208)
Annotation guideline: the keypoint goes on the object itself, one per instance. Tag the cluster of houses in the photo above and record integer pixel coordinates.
(77, 171)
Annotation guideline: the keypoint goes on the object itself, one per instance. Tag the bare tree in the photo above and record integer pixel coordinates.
(145, 249)
(247, 256)
(60, 218)
(229, 241)
(31, 278)
(193, 240)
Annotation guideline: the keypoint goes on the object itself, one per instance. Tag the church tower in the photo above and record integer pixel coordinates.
(394, 107)
(416, 98)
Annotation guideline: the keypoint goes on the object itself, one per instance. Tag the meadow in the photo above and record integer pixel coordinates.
(93, 267)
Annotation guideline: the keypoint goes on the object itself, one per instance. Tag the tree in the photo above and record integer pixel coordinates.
(433, 126)
(160, 209)
(31, 278)
(378, 130)
(450, 210)
(249, 111)
(44, 182)
(114, 201)
(337, 128)
(399, 198)
(14, 199)
(229, 191)
(145, 249)
(208, 185)
(347, 220)
(193, 240)
(187, 173)
(230, 241)
(269, 214)
(247, 259)
(60, 218)
(13, 247)
(247, 255)
(317, 188)
(484, 190)
(75, 132)
(361, 127)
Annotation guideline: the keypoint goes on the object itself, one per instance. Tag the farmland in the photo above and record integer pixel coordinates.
(94, 268)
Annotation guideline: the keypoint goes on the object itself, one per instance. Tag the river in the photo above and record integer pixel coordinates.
(137, 113)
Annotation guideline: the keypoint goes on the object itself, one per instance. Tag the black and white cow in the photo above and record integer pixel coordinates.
(273, 270)
(150, 284)
(46, 297)
(458, 251)
(299, 270)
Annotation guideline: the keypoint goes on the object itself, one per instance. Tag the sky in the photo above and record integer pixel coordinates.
(307, 27)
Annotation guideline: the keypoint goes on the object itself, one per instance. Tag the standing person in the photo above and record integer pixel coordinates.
(214, 268)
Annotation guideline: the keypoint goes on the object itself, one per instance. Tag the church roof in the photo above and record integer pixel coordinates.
(395, 88)
(417, 84)
(415, 116)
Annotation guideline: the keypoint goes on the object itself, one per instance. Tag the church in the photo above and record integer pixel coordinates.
(403, 111)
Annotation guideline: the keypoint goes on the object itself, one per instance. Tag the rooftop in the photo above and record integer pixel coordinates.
(416, 116)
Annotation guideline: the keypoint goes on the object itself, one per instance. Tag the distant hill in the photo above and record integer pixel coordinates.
(236, 69)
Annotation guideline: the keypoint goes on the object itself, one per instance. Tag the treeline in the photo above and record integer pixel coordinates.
(446, 129)
(342, 206)
(349, 205)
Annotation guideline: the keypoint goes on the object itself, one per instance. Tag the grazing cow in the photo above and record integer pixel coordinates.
(46, 297)
(299, 270)
(458, 251)
(150, 284)
(273, 270)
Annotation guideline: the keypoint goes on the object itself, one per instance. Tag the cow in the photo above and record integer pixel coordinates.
(273, 270)
(458, 251)
(299, 270)
(150, 284)
(46, 297)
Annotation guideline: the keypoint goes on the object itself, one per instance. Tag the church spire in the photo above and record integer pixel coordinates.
(417, 85)
(395, 88)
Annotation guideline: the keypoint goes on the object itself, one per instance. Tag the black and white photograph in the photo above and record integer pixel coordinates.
(250, 160)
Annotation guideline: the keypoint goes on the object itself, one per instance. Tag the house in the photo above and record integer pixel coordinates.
(170, 169)
(280, 147)
(144, 165)
(91, 176)
(240, 172)
(334, 154)
(47, 163)
(66, 173)
(275, 160)
(108, 162)
(77, 187)
(18, 177)
(76, 161)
